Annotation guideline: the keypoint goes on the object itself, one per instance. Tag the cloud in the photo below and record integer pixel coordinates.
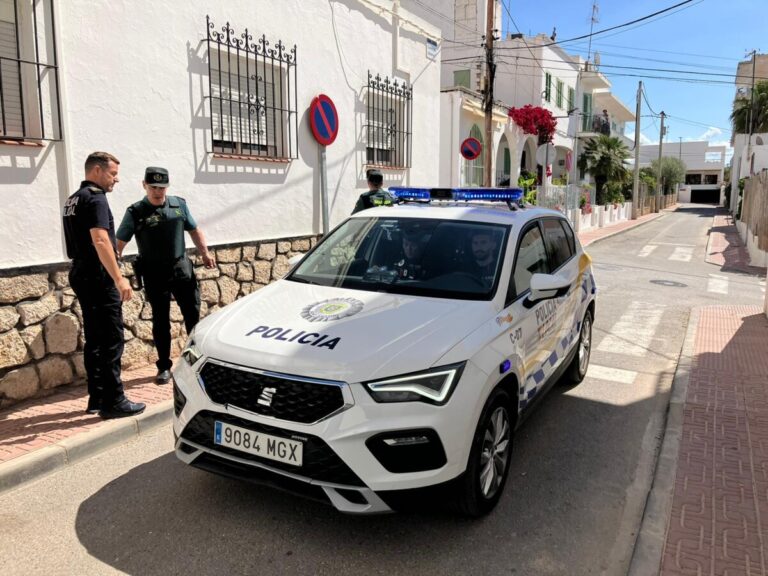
(711, 132)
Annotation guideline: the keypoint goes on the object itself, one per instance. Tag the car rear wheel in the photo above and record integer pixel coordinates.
(578, 368)
(481, 486)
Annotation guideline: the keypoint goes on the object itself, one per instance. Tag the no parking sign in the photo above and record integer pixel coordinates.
(323, 120)
(471, 148)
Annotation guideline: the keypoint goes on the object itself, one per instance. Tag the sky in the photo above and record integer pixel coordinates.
(705, 36)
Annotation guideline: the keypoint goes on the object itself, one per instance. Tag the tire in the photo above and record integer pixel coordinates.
(577, 370)
(478, 490)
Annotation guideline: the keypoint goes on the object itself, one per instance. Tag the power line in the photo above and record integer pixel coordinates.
(504, 4)
(624, 25)
(675, 52)
(455, 22)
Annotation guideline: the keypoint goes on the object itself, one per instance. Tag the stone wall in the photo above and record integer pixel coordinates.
(41, 334)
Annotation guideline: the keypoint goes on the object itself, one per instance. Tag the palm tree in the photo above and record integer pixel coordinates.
(740, 114)
(603, 158)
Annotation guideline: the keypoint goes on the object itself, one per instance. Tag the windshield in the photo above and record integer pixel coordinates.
(419, 256)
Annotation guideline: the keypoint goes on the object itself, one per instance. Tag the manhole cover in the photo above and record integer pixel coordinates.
(669, 283)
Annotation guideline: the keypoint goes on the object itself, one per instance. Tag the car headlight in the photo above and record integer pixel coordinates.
(433, 386)
(191, 353)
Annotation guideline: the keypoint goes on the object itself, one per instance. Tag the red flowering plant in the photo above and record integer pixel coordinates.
(535, 120)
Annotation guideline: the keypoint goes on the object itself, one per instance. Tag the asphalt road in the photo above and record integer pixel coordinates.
(581, 470)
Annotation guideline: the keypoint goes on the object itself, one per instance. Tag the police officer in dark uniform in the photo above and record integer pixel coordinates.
(89, 232)
(158, 221)
(376, 195)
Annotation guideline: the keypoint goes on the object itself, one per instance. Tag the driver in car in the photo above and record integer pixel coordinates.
(484, 255)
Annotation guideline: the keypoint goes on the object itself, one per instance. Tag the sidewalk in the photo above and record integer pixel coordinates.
(707, 512)
(40, 435)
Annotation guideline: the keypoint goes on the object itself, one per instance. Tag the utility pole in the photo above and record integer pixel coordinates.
(751, 112)
(680, 153)
(490, 73)
(636, 180)
(660, 183)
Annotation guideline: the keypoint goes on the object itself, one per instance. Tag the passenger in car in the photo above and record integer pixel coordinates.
(411, 265)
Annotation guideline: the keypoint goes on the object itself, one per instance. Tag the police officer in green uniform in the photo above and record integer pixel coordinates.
(376, 195)
(89, 232)
(158, 221)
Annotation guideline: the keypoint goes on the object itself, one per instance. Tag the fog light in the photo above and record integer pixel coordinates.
(406, 441)
(403, 451)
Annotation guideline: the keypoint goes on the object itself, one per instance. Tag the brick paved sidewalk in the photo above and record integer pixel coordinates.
(41, 422)
(38, 422)
(725, 248)
(719, 513)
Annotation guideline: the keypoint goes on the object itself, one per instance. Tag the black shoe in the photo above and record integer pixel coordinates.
(122, 409)
(163, 377)
(94, 406)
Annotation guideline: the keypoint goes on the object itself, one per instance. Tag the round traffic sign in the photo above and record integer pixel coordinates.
(545, 154)
(323, 119)
(471, 148)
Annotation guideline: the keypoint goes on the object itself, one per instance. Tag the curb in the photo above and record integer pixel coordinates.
(617, 232)
(651, 539)
(36, 464)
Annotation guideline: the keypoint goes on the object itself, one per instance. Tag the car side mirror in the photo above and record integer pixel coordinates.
(295, 259)
(546, 286)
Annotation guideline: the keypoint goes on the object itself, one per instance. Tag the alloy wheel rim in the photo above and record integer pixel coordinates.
(584, 344)
(495, 452)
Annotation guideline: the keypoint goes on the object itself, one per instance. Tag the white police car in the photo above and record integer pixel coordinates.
(401, 353)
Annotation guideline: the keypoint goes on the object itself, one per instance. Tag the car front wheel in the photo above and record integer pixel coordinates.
(481, 486)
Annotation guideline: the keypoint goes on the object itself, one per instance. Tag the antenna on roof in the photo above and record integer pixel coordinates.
(594, 19)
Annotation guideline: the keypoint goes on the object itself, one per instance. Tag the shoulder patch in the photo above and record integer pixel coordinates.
(95, 190)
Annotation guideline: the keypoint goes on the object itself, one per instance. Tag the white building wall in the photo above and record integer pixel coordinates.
(135, 86)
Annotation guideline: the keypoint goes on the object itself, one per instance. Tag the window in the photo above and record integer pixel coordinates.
(571, 98)
(461, 78)
(473, 169)
(558, 244)
(559, 94)
(531, 259)
(586, 113)
(252, 96)
(29, 75)
(388, 122)
(693, 179)
(547, 86)
(710, 178)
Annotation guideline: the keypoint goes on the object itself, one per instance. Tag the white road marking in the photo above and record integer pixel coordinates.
(646, 251)
(682, 254)
(633, 332)
(611, 374)
(717, 284)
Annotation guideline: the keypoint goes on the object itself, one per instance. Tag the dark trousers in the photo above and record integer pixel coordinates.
(103, 327)
(187, 294)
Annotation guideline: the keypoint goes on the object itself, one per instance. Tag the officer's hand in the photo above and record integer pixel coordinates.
(124, 287)
(208, 260)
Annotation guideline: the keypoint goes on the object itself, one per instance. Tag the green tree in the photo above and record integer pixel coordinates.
(603, 158)
(672, 172)
(648, 177)
(740, 114)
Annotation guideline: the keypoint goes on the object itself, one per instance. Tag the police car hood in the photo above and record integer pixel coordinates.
(337, 334)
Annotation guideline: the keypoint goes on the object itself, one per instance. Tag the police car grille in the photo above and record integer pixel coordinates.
(320, 462)
(290, 400)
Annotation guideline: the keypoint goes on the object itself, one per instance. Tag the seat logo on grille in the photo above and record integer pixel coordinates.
(265, 399)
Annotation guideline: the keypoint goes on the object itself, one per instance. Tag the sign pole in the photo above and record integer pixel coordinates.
(324, 191)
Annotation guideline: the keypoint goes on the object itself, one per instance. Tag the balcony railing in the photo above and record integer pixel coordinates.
(596, 124)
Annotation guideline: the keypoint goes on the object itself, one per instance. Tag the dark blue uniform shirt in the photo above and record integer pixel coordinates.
(85, 209)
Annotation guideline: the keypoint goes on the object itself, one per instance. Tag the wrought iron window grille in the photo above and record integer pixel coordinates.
(252, 95)
(388, 122)
(30, 107)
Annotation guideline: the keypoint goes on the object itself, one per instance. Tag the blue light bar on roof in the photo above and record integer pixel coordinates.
(458, 194)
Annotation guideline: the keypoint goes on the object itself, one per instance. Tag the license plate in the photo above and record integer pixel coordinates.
(258, 444)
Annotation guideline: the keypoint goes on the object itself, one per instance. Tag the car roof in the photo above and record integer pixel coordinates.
(474, 212)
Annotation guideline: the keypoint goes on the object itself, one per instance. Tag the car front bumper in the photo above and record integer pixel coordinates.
(350, 457)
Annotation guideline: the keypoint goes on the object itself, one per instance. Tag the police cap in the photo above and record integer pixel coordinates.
(157, 177)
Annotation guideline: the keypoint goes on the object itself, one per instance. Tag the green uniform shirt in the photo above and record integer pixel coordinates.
(159, 230)
(373, 198)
